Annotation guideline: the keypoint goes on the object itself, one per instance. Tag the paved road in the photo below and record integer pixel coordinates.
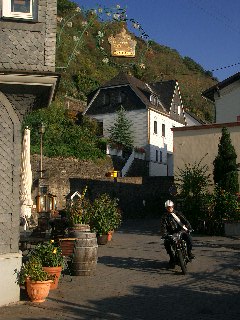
(132, 282)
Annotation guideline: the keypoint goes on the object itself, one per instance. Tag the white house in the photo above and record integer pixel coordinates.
(226, 96)
(153, 108)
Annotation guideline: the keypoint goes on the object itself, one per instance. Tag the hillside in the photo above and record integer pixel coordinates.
(83, 57)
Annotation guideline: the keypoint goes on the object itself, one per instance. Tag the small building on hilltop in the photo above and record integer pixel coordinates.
(153, 108)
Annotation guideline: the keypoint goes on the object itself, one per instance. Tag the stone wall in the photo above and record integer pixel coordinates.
(138, 196)
(58, 171)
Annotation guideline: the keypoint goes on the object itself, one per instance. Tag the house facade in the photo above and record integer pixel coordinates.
(226, 96)
(153, 110)
(27, 81)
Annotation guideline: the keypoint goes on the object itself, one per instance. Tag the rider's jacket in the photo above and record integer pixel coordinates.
(170, 226)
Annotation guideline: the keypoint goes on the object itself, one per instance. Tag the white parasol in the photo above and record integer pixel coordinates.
(26, 178)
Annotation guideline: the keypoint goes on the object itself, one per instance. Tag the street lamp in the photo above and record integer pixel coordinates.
(41, 130)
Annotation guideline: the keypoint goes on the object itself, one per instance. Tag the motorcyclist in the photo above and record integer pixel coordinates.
(172, 222)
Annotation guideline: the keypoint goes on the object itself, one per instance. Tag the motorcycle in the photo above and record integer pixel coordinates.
(179, 250)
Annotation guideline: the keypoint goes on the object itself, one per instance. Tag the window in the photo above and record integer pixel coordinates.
(106, 99)
(156, 155)
(163, 130)
(155, 127)
(121, 97)
(160, 156)
(23, 9)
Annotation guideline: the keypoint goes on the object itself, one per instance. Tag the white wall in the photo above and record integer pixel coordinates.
(10, 290)
(228, 104)
(159, 143)
(139, 127)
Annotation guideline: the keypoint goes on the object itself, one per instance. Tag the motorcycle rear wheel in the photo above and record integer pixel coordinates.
(182, 262)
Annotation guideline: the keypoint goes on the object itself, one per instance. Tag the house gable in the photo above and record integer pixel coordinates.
(225, 95)
(109, 100)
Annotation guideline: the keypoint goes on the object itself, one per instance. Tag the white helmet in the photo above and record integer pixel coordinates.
(169, 203)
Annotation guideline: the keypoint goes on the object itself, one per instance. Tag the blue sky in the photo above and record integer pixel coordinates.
(208, 31)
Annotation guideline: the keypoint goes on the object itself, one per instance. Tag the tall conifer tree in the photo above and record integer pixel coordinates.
(225, 172)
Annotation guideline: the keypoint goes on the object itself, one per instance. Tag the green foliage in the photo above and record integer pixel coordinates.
(194, 179)
(85, 83)
(224, 205)
(106, 215)
(33, 271)
(193, 182)
(192, 65)
(120, 132)
(63, 137)
(225, 172)
(79, 211)
(64, 6)
(49, 254)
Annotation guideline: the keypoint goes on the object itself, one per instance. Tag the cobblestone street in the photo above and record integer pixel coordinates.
(132, 281)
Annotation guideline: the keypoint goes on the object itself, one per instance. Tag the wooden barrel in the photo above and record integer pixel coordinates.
(77, 229)
(84, 260)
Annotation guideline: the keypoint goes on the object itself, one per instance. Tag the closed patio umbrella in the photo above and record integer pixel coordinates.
(26, 179)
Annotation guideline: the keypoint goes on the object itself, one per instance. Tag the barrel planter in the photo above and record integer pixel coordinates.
(84, 260)
(77, 229)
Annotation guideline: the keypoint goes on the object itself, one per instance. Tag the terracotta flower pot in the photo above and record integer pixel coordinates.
(103, 239)
(38, 290)
(54, 271)
(110, 233)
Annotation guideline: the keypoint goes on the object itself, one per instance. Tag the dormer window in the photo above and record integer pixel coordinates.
(19, 9)
(106, 99)
(121, 97)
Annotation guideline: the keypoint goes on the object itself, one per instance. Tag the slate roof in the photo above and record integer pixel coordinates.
(164, 90)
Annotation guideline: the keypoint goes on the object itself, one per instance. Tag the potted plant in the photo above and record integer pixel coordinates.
(36, 280)
(106, 216)
(78, 215)
(51, 258)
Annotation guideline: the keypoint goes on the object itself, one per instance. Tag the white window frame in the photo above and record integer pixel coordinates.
(7, 13)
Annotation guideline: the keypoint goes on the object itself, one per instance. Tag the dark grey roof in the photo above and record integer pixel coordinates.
(209, 93)
(164, 90)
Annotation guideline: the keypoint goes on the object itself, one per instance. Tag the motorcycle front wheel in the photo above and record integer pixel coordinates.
(182, 262)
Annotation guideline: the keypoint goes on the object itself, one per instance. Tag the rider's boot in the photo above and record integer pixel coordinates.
(171, 263)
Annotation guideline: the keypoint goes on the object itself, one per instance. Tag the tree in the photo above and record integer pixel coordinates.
(120, 132)
(225, 172)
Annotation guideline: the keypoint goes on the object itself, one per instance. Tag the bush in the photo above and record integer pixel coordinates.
(106, 215)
